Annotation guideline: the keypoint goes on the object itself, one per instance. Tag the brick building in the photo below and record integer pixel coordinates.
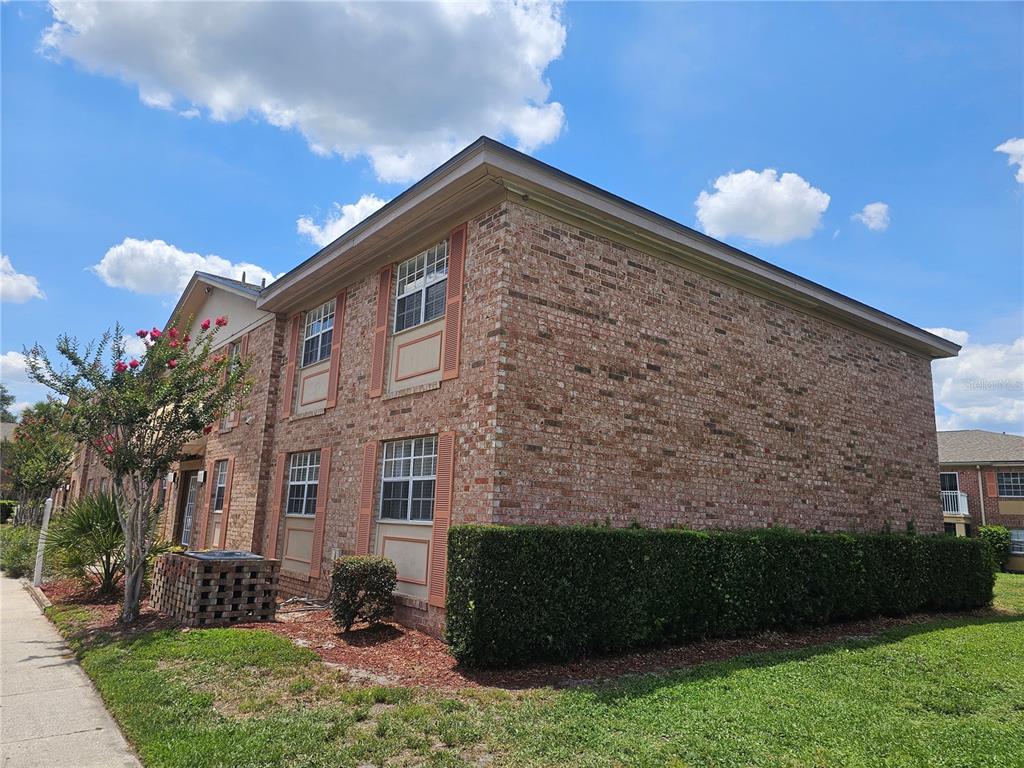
(981, 477)
(506, 343)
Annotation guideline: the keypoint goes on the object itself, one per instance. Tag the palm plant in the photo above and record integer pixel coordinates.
(85, 542)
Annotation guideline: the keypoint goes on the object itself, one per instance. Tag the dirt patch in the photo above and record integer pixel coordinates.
(391, 654)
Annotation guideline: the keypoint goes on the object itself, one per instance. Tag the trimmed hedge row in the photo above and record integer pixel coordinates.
(527, 593)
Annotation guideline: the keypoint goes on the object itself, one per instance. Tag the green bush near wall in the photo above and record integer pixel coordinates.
(530, 593)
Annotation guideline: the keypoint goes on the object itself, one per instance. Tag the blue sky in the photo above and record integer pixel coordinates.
(215, 128)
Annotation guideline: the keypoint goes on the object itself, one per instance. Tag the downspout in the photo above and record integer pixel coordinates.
(981, 494)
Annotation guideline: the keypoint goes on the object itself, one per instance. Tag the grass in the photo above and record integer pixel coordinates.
(945, 693)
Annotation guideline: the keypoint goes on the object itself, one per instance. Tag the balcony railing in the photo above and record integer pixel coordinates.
(954, 503)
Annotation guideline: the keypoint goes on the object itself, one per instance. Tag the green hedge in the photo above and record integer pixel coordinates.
(529, 593)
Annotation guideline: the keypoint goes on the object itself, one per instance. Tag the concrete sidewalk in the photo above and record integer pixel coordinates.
(50, 715)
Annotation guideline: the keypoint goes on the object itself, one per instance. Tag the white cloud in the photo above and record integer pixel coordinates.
(16, 288)
(341, 219)
(14, 368)
(982, 388)
(404, 84)
(874, 216)
(156, 267)
(762, 206)
(133, 346)
(1014, 151)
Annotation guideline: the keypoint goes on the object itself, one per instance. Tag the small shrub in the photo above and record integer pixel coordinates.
(518, 594)
(998, 540)
(7, 508)
(361, 588)
(18, 550)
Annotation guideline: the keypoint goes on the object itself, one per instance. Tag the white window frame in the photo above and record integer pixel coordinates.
(1019, 482)
(304, 464)
(412, 278)
(955, 475)
(422, 449)
(313, 328)
(220, 482)
(1017, 541)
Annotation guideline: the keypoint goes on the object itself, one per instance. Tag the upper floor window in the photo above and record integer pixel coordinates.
(316, 337)
(234, 359)
(220, 484)
(1010, 483)
(409, 472)
(303, 482)
(422, 282)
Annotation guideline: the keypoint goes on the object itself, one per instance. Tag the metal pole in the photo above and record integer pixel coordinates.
(37, 577)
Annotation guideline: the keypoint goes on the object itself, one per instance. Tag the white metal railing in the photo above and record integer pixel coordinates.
(954, 503)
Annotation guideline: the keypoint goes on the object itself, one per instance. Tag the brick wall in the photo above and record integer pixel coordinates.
(248, 444)
(632, 389)
(465, 405)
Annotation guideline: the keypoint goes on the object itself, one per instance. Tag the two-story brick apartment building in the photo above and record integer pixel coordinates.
(506, 343)
(981, 476)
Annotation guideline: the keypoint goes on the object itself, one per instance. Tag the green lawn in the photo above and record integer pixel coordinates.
(940, 694)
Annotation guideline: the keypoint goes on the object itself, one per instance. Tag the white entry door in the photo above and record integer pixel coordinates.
(190, 510)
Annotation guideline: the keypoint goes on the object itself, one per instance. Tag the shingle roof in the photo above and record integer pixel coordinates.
(976, 446)
(254, 290)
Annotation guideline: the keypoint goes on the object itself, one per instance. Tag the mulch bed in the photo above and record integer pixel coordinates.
(390, 654)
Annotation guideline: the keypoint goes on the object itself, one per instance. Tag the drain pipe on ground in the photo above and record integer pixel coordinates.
(37, 576)
(981, 493)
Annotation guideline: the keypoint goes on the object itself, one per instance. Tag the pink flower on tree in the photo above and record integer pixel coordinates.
(172, 363)
(173, 333)
(205, 325)
(187, 339)
(173, 344)
(155, 334)
(120, 367)
(208, 429)
(221, 321)
(133, 364)
(142, 333)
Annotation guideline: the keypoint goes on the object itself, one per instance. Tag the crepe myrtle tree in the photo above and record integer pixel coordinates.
(138, 413)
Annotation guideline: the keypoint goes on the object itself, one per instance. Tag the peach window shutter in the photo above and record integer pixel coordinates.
(243, 352)
(227, 505)
(274, 513)
(453, 304)
(437, 587)
(322, 496)
(365, 517)
(293, 355)
(380, 332)
(339, 329)
(991, 486)
(200, 537)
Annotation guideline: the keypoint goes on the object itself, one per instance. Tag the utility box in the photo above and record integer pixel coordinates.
(216, 587)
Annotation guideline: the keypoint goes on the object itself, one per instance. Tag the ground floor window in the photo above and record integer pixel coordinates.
(407, 479)
(1017, 541)
(949, 529)
(303, 480)
(220, 484)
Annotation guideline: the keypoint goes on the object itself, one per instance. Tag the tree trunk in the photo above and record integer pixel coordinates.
(134, 519)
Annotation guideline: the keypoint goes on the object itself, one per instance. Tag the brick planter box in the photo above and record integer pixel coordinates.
(201, 589)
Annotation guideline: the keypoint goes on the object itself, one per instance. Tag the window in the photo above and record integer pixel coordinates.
(319, 330)
(407, 482)
(949, 529)
(1017, 541)
(1011, 483)
(949, 481)
(103, 485)
(422, 282)
(220, 484)
(227, 421)
(303, 479)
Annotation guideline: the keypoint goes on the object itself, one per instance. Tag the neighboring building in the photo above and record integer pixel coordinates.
(504, 343)
(981, 476)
